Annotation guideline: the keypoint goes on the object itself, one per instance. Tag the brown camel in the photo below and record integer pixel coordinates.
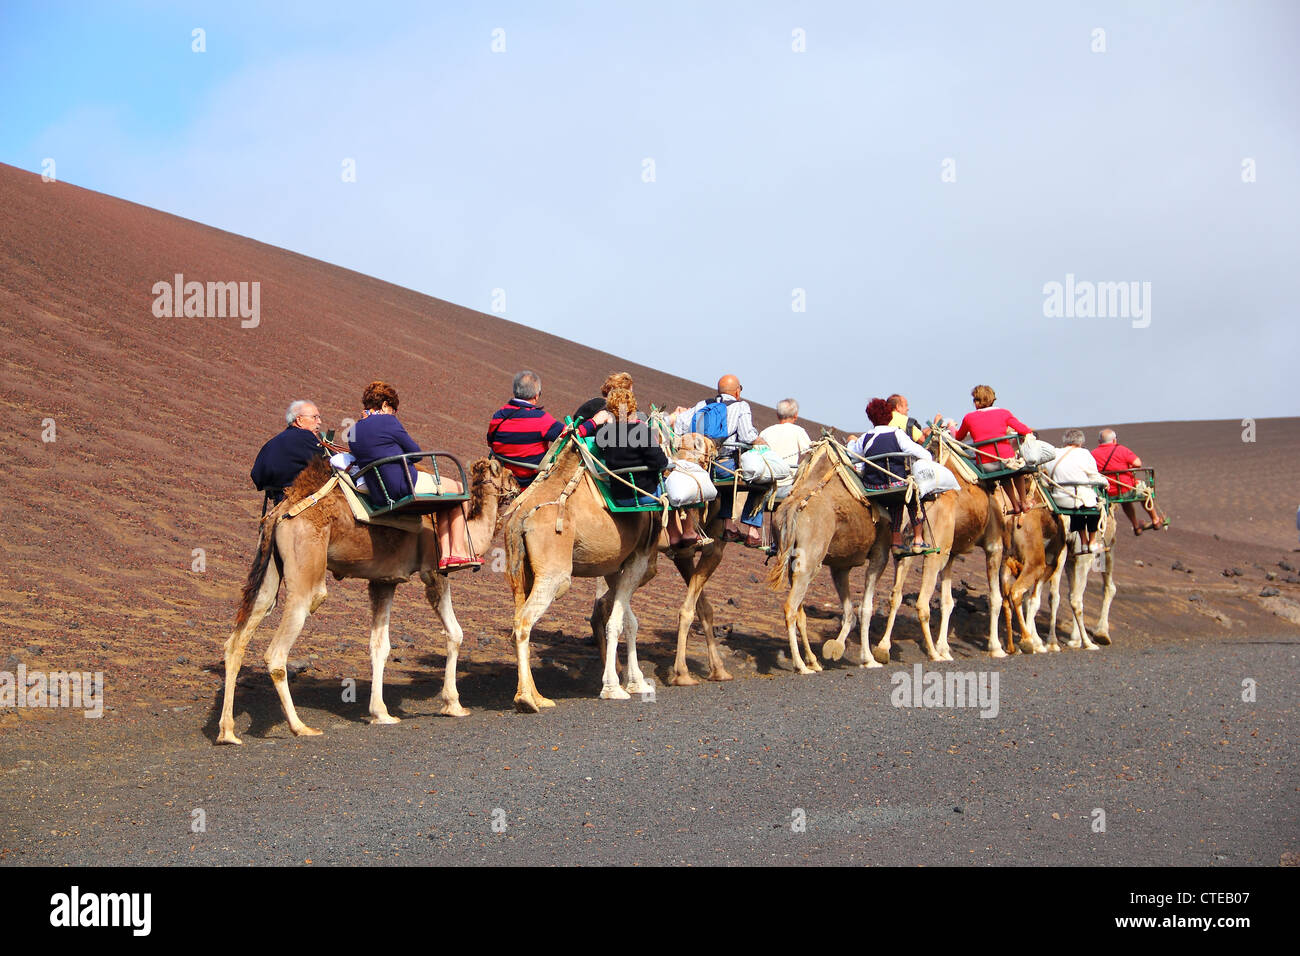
(1034, 550)
(560, 529)
(959, 521)
(822, 522)
(326, 537)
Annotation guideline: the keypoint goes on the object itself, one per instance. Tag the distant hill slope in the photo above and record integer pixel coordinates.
(157, 420)
(130, 533)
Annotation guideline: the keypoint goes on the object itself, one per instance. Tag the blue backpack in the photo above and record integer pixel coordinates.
(711, 421)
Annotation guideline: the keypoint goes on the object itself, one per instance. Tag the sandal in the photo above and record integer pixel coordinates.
(454, 563)
(732, 536)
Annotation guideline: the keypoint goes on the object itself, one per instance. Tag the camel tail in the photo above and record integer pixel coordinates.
(516, 549)
(778, 578)
(257, 573)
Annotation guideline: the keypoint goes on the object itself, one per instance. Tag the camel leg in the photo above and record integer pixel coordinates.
(381, 604)
(296, 610)
(1032, 643)
(876, 564)
(237, 644)
(1077, 588)
(809, 658)
(992, 565)
(833, 649)
(628, 579)
(1102, 631)
(527, 699)
(696, 576)
(946, 604)
(636, 682)
(717, 669)
(881, 651)
(437, 589)
(1053, 644)
(929, 573)
(800, 577)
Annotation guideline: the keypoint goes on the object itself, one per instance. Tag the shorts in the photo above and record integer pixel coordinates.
(1085, 522)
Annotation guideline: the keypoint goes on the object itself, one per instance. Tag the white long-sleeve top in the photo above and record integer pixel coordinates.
(1074, 464)
(905, 444)
(740, 422)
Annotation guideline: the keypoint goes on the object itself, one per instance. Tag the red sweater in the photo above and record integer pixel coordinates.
(992, 422)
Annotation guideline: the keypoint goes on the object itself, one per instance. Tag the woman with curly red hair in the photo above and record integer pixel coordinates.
(885, 439)
(380, 435)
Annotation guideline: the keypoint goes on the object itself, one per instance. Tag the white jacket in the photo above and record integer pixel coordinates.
(1074, 464)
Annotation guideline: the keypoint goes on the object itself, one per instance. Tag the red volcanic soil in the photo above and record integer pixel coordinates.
(156, 422)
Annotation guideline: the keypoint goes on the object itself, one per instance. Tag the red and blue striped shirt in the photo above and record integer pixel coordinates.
(522, 431)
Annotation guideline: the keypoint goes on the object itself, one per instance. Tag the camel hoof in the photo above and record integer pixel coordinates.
(636, 690)
(384, 719)
(526, 705)
(305, 731)
(881, 653)
(813, 663)
(720, 674)
(228, 737)
(1101, 638)
(868, 661)
(833, 649)
(946, 655)
(997, 652)
(682, 680)
(805, 670)
(452, 708)
(1091, 647)
(1054, 648)
(614, 693)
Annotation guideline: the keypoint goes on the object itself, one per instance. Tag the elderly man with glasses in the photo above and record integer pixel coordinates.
(289, 452)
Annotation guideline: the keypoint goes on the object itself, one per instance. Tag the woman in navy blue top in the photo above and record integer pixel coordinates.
(380, 435)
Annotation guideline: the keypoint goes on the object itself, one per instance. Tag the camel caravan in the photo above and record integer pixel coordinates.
(608, 490)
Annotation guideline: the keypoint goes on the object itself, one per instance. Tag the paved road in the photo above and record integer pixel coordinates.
(1157, 738)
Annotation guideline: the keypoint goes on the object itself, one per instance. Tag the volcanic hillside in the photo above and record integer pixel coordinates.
(155, 423)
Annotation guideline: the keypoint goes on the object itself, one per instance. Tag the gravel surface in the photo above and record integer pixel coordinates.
(1157, 738)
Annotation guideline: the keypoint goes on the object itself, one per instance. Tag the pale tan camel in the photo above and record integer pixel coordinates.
(960, 521)
(327, 538)
(1075, 571)
(822, 522)
(559, 529)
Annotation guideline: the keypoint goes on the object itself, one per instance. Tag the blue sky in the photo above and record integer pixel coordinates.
(775, 170)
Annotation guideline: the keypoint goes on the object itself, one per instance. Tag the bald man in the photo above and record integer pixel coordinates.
(740, 434)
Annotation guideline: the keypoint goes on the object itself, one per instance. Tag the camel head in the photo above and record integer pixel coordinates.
(697, 448)
(488, 478)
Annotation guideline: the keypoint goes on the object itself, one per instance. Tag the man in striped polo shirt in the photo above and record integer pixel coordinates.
(521, 430)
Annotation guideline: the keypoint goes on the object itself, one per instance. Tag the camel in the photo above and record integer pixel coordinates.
(326, 537)
(822, 522)
(959, 521)
(559, 528)
(1034, 552)
(1076, 572)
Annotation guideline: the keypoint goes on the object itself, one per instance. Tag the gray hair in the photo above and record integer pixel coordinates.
(1107, 436)
(787, 408)
(527, 384)
(295, 409)
(1074, 436)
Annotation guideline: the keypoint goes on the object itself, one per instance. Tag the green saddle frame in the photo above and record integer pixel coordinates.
(411, 504)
